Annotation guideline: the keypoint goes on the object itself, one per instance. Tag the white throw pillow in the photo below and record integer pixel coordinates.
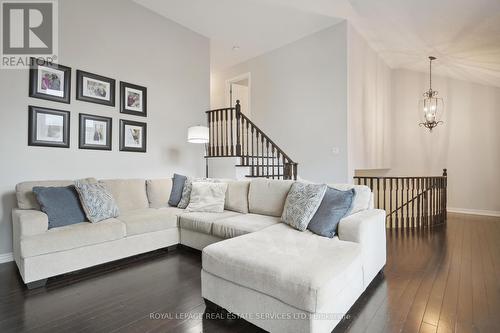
(207, 197)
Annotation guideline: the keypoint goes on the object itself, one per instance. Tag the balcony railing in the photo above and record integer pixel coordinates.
(409, 201)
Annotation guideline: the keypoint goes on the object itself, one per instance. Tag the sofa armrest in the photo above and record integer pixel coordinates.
(367, 228)
(362, 225)
(27, 222)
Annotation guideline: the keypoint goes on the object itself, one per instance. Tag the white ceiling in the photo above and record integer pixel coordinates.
(463, 34)
(256, 26)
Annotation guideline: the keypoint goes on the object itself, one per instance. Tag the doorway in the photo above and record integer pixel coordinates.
(238, 88)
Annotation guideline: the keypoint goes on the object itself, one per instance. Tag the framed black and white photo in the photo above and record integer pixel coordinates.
(95, 88)
(133, 136)
(50, 81)
(133, 99)
(95, 132)
(48, 127)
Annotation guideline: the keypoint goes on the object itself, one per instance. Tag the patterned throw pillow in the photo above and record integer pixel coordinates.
(97, 201)
(188, 186)
(302, 203)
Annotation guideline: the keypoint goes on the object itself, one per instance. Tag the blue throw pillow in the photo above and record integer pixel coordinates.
(61, 204)
(177, 186)
(334, 207)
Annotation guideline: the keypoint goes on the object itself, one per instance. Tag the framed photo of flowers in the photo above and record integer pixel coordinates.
(49, 81)
(133, 136)
(48, 127)
(133, 99)
(95, 88)
(95, 132)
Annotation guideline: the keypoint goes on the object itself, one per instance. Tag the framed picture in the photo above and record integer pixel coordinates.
(95, 132)
(95, 88)
(48, 127)
(50, 81)
(132, 136)
(133, 99)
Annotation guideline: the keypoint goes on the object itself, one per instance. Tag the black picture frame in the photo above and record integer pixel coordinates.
(82, 144)
(34, 138)
(123, 145)
(35, 66)
(124, 108)
(80, 94)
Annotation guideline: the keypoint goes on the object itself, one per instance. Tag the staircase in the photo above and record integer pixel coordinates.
(232, 134)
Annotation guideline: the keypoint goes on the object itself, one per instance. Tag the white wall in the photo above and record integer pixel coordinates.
(124, 41)
(369, 102)
(299, 98)
(468, 143)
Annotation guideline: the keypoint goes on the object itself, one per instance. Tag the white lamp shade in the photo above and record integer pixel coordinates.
(198, 134)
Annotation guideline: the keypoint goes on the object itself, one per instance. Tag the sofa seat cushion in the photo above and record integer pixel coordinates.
(301, 269)
(71, 237)
(242, 224)
(202, 222)
(141, 221)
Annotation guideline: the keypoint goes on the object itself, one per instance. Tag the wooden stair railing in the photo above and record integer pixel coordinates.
(233, 134)
(410, 201)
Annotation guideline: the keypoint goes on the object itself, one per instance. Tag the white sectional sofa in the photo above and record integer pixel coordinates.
(276, 277)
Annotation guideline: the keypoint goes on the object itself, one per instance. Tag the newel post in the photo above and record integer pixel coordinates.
(238, 117)
(445, 193)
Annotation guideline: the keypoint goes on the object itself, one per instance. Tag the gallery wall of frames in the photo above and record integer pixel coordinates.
(50, 127)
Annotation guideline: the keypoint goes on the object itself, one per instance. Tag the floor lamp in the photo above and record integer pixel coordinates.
(200, 134)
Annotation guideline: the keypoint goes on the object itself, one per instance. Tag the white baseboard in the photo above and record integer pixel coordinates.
(473, 211)
(6, 257)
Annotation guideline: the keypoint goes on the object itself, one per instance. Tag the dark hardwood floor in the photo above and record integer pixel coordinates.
(442, 280)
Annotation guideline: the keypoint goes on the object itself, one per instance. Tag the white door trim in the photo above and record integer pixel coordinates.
(236, 79)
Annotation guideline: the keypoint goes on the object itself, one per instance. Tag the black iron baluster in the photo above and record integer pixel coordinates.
(397, 202)
(390, 200)
(253, 152)
(413, 202)
(247, 151)
(267, 162)
(210, 140)
(257, 156)
(242, 131)
(407, 202)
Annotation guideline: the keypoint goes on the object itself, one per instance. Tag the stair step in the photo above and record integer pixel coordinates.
(241, 156)
(260, 166)
(217, 156)
(266, 157)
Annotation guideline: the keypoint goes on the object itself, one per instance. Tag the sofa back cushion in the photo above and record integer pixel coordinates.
(26, 198)
(363, 197)
(237, 196)
(267, 196)
(129, 194)
(158, 191)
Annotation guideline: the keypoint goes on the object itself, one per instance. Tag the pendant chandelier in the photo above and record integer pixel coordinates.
(431, 105)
